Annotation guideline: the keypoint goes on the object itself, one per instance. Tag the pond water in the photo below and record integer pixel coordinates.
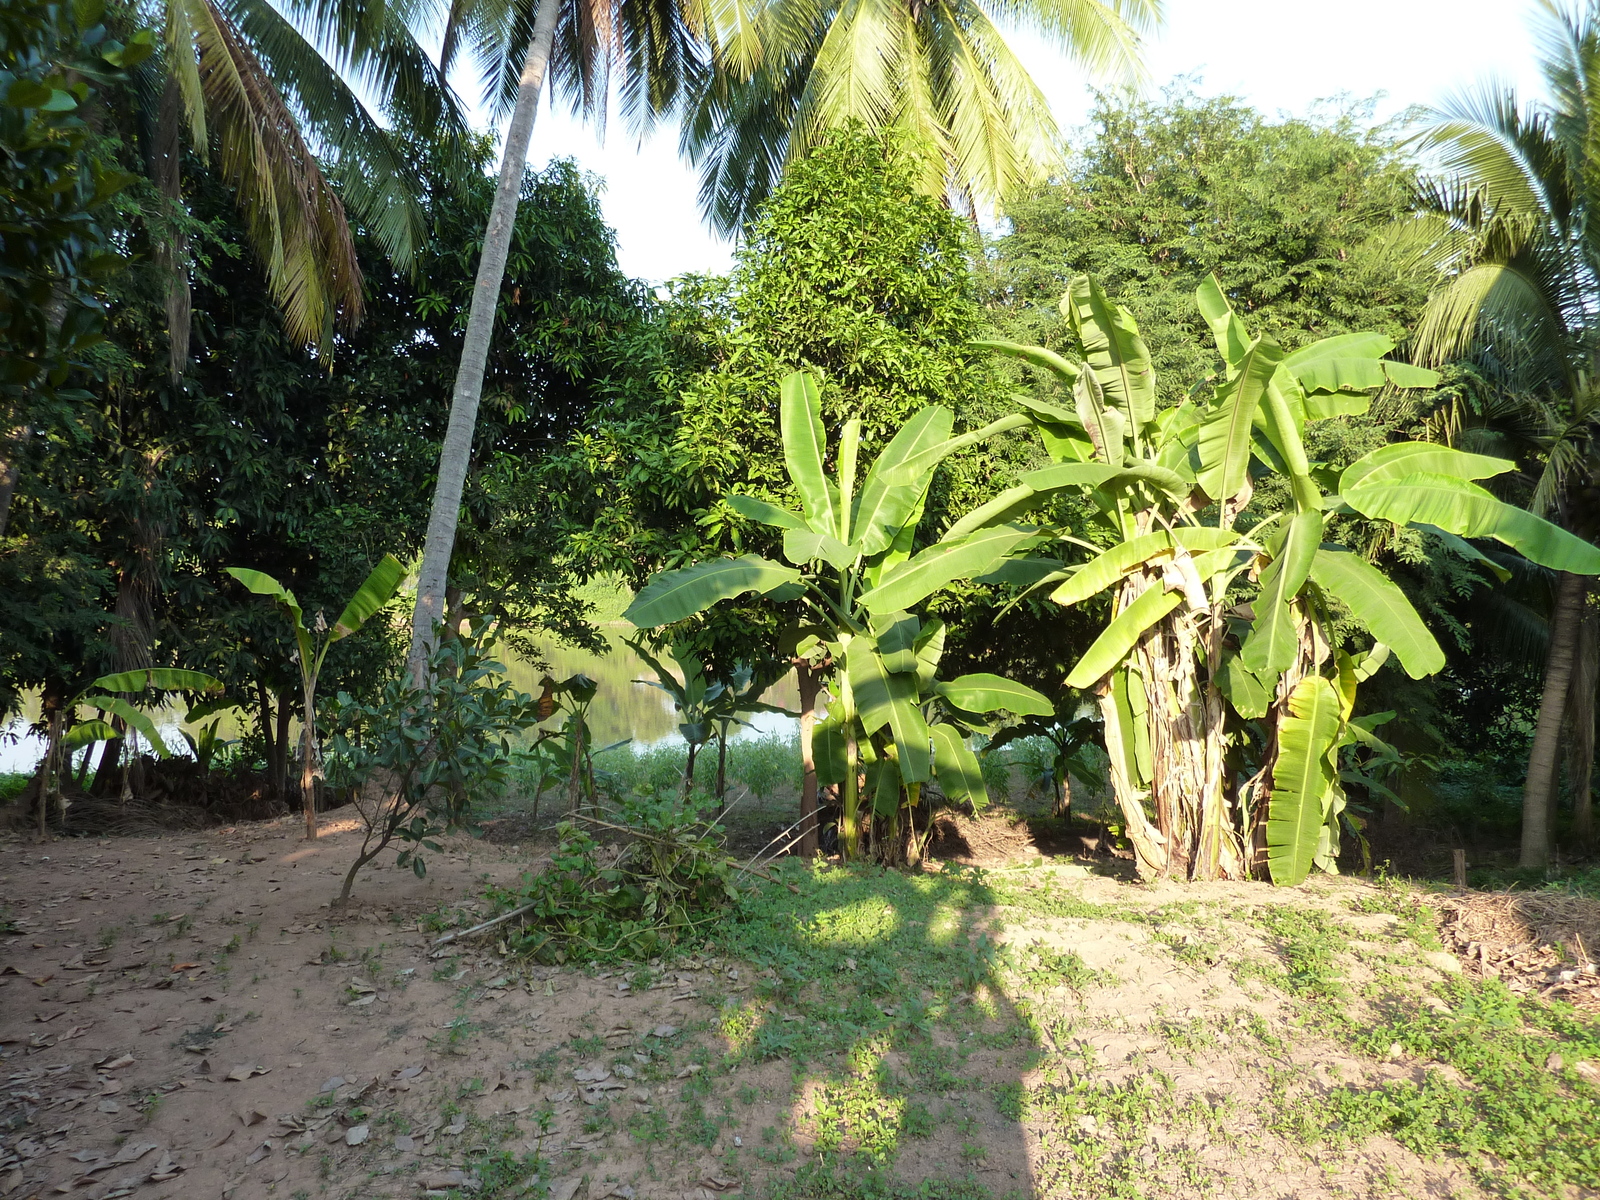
(622, 709)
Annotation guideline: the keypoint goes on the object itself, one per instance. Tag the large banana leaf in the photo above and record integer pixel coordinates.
(1347, 362)
(915, 466)
(1467, 510)
(828, 748)
(673, 595)
(985, 693)
(1114, 350)
(1300, 779)
(1065, 369)
(1233, 342)
(883, 698)
(375, 591)
(1248, 694)
(941, 564)
(886, 784)
(1012, 502)
(131, 716)
(1272, 642)
(804, 448)
(1114, 642)
(1099, 475)
(883, 507)
(801, 546)
(87, 733)
(167, 679)
(1399, 459)
(960, 775)
(263, 584)
(1046, 413)
(1380, 606)
(1225, 429)
(767, 514)
(929, 647)
(1105, 424)
(896, 635)
(1100, 573)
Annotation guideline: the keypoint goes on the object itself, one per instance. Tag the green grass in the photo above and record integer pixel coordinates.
(12, 784)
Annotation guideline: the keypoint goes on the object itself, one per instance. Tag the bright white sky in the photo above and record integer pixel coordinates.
(1279, 55)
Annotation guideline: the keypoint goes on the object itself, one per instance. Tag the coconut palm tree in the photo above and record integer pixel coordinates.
(1516, 236)
(276, 93)
(575, 44)
(942, 70)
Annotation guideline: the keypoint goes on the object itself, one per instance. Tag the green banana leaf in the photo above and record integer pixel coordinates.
(1102, 475)
(1271, 645)
(884, 699)
(917, 465)
(132, 717)
(767, 514)
(804, 449)
(1300, 780)
(1467, 510)
(1113, 349)
(885, 784)
(1117, 638)
(1466, 551)
(167, 679)
(985, 693)
(1233, 341)
(1249, 695)
(1045, 413)
(1348, 362)
(263, 584)
(1123, 733)
(929, 648)
(940, 565)
(1105, 424)
(801, 546)
(1012, 502)
(896, 634)
(1380, 606)
(960, 775)
(375, 591)
(1038, 356)
(87, 733)
(1225, 429)
(1100, 573)
(828, 749)
(208, 708)
(673, 595)
(884, 507)
(1399, 459)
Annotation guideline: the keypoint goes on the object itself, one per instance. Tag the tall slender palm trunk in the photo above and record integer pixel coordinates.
(1538, 792)
(456, 453)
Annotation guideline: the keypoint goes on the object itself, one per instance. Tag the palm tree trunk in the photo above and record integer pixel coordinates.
(1539, 789)
(171, 246)
(456, 453)
(1580, 726)
(810, 685)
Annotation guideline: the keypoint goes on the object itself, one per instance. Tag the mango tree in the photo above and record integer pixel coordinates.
(1221, 606)
(375, 591)
(855, 572)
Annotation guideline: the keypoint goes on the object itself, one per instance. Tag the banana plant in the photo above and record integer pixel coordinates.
(311, 648)
(103, 696)
(1221, 608)
(854, 570)
(695, 699)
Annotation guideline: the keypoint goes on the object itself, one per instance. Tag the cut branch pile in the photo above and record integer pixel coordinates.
(1541, 943)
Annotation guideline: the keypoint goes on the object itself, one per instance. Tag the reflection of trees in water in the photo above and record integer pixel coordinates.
(622, 708)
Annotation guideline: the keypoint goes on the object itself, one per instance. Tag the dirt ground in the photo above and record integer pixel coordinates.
(183, 1017)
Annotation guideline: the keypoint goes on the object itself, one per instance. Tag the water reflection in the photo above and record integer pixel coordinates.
(622, 709)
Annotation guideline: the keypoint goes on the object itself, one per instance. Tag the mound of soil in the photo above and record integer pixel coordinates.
(1542, 942)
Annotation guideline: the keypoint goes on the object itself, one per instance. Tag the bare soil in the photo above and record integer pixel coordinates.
(183, 1016)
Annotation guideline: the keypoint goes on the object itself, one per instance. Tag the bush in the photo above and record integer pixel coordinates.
(765, 764)
(669, 877)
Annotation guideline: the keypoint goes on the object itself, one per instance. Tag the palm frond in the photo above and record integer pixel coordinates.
(294, 218)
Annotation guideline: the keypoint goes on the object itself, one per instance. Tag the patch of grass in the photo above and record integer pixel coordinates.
(850, 1181)
(1044, 967)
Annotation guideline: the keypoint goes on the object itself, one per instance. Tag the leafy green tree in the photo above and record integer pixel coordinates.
(792, 72)
(1512, 238)
(54, 60)
(1168, 192)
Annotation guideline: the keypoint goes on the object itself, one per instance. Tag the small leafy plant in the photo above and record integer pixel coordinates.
(413, 761)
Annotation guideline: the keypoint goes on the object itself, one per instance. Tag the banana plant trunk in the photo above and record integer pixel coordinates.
(1538, 792)
(810, 685)
(456, 454)
(308, 776)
